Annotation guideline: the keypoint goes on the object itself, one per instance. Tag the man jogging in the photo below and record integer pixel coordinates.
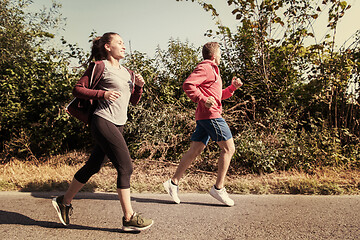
(204, 86)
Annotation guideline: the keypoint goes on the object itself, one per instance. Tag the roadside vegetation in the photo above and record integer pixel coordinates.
(56, 174)
(295, 121)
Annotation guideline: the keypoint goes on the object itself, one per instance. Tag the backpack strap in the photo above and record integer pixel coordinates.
(132, 74)
(92, 77)
(97, 73)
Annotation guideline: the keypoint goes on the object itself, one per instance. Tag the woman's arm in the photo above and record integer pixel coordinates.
(82, 87)
(138, 89)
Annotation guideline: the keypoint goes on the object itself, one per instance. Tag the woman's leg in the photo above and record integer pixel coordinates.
(124, 197)
(92, 166)
(74, 188)
(62, 204)
(109, 137)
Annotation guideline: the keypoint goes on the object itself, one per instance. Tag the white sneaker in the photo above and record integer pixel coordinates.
(222, 196)
(172, 190)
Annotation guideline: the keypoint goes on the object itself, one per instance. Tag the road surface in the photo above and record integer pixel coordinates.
(199, 216)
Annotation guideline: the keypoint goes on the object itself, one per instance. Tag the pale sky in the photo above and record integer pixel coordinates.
(151, 23)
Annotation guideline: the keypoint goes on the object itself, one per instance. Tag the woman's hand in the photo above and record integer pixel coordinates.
(112, 95)
(139, 80)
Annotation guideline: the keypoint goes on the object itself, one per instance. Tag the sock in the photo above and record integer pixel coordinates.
(216, 187)
(173, 183)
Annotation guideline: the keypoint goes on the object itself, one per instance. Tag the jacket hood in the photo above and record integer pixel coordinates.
(207, 61)
(213, 65)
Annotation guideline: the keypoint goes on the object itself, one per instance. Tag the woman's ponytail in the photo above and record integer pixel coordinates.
(98, 51)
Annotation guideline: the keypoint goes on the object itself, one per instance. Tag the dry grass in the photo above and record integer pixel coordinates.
(56, 173)
(321, 181)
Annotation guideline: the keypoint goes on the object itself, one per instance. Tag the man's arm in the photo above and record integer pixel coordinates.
(229, 91)
(191, 84)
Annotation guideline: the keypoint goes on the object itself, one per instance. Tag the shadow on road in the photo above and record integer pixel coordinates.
(114, 196)
(160, 201)
(53, 185)
(19, 219)
(80, 195)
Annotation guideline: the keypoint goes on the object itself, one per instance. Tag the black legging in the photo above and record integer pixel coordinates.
(111, 143)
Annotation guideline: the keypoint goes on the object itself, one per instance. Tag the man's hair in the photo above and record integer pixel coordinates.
(209, 49)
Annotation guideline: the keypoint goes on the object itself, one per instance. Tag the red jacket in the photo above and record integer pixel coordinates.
(203, 82)
(83, 89)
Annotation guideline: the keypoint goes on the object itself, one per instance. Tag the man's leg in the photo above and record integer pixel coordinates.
(171, 185)
(218, 191)
(195, 149)
(227, 150)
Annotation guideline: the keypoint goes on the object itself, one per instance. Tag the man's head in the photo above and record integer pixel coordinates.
(211, 51)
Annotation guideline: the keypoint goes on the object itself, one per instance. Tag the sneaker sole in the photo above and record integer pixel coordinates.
(133, 228)
(220, 200)
(167, 188)
(57, 208)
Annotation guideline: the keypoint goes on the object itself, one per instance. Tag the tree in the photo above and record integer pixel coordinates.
(35, 82)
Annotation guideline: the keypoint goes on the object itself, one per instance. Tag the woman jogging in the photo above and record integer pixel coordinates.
(204, 86)
(116, 87)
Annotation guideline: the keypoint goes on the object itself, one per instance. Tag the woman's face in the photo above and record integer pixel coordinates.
(116, 47)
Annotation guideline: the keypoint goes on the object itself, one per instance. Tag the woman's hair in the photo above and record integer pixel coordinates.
(98, 51)
(209, 49)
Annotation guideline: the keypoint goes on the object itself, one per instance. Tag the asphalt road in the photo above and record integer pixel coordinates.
(199, 216)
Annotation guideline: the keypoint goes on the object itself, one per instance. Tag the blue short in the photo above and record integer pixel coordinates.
(216, 128)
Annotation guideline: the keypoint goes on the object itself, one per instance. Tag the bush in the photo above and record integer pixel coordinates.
(278, 144)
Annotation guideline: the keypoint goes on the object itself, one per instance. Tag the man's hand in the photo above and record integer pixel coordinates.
(210, 102)
(139, 80)
(236, 82)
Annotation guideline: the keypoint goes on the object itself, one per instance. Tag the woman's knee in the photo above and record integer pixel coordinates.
(123, 179)
(86, 172)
